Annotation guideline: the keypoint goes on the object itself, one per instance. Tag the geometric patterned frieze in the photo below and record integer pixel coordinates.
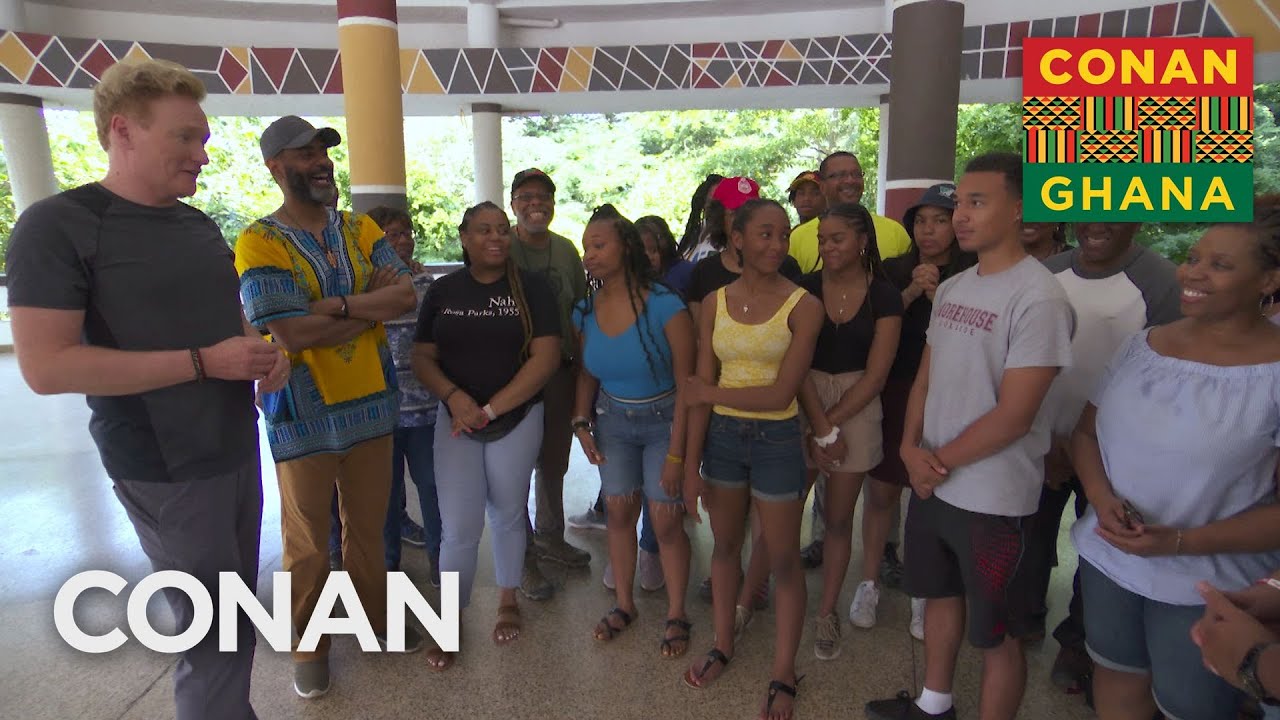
(991, 51)
(1108, 147)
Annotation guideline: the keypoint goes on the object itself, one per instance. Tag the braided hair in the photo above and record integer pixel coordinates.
(1266, 228)
(513, 276)
(697, 206)
(638, 275)
(859, 218)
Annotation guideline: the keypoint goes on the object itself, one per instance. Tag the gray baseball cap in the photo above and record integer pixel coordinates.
(291, 132)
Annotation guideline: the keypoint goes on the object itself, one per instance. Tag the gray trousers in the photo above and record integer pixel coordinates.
(203, 527)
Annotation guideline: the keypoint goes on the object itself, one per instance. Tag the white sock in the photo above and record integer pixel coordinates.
(934, 703)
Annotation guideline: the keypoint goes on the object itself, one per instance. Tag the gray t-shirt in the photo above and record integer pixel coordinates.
(147, 278)
(980, 327)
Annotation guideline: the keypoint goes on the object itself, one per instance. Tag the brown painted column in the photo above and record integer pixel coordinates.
(924, 93)
(369, 42)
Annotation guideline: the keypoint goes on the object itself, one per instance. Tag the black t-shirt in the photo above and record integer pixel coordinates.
(915, 319)
(477, 331)
(844, 348)
(710, 274)
(147, 279)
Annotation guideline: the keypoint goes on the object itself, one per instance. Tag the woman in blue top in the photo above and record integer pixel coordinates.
(635, 337)
(1178, 455)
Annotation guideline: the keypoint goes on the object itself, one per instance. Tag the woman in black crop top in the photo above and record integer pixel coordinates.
(841, 397)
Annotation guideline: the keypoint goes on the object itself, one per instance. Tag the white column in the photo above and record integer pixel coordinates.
(882, 162)
(13, 15)
(26, 149)
(484, 29)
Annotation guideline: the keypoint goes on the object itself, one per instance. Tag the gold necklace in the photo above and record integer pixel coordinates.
(328, 251)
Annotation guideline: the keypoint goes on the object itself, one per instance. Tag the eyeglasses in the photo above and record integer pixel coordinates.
(400, 234)
(534, 197)
(844, 175)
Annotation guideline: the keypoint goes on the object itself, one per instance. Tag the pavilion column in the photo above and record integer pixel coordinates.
(924, 94)
(882, 167)
(484, 29)
(26, 149)
(369, 43)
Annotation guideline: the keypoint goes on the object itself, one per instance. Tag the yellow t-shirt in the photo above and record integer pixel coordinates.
(891, 237)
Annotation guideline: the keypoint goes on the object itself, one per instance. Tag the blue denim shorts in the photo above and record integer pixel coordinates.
(764, 455)
(634, 439)
(1129, 633)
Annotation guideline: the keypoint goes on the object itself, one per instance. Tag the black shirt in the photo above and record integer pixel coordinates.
(915, 319)
(477, 331)
(844, 348)
(148, 279)
(710, 274)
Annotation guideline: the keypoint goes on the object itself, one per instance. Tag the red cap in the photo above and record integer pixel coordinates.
(734, 192)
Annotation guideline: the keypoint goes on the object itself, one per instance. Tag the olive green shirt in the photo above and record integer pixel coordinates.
(560, 263)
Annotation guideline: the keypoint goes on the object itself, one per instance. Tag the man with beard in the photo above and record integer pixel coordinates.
(1116, 288)
(322, 282)
(536, 249)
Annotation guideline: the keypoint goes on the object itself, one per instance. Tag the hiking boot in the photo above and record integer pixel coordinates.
(534, 585)
(311, 679)
(555, 549)
(862, 611)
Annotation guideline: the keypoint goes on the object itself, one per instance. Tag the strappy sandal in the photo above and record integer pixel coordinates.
(713, 656)
(508, 619)
(667, 649)
(777, 686)
(612, 632)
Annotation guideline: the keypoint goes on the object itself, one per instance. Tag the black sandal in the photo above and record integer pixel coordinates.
(777, 686)
(684, 625)
(609, 628)
(713, 656)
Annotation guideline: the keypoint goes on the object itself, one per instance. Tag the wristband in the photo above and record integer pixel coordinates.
(1270, 582)
(449, 394)
(488, 411)
(580, 423)
(830, 439)
(346, 312)
(1177, 547)
(674, 459)
(198, 363)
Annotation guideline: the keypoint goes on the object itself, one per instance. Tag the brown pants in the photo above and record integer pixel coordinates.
(553, 458)
(362, 476)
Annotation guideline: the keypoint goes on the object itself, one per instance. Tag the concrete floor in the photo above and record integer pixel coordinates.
(58, 517)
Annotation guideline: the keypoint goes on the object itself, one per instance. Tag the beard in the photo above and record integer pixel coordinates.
(300, 187)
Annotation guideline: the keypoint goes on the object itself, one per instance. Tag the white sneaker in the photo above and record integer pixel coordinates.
(917, 618)
(862, 613)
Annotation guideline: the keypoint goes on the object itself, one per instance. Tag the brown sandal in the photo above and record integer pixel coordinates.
(508, 619)
(668, 648)
(610, 632)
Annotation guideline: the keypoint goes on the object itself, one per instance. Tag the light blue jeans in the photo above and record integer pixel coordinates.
(474, 478)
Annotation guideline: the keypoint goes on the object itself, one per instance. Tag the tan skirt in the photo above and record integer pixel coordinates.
(861, 433)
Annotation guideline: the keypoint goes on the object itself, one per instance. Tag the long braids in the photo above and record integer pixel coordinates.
(693, 226)
(513, 277)
(639, 276)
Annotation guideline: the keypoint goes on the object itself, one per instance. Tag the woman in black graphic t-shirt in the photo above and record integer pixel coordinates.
(488, 339)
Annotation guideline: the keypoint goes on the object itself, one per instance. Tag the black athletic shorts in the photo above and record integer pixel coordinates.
(950, 552)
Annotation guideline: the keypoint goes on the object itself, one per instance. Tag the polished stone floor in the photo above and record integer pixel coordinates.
(58, 516)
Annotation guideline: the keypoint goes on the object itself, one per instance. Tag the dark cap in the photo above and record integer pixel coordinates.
(942, 195)
(525, 176)
(291, 132)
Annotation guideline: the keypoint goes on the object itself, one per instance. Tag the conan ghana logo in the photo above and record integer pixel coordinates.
(1138, 130)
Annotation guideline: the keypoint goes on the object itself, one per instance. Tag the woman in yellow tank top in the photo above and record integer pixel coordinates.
(755, 346)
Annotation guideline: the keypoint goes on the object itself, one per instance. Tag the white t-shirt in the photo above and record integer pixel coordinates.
(980, 327)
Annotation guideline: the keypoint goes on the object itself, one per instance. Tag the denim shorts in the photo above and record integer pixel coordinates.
(764, 455)
(634, 439)
(1127, 632)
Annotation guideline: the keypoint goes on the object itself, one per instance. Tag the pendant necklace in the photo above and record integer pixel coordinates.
(328, 251)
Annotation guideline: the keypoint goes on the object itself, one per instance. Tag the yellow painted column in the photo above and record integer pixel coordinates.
(369, 42)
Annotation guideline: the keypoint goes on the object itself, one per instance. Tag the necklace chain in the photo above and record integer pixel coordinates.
(328, 251)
